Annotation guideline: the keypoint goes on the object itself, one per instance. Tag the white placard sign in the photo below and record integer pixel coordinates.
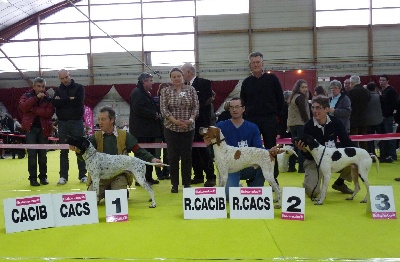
(382, 202)
(116, 206)
(28, 213)
(204, 203)
(293, 203)
(75, 208)
(251, 203)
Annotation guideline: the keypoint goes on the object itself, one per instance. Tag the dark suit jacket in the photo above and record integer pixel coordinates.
(204, 93)
(143, 121)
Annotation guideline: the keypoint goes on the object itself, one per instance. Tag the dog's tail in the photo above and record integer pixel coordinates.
(152, 164)
(376, 159)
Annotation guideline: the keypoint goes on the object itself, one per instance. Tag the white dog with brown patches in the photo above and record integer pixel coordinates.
(231, 159)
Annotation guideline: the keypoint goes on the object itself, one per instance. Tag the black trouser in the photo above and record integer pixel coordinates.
(179, 146)
(201, 159)
(149, 168)
(268, 127)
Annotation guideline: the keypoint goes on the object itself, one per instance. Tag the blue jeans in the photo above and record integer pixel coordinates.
(388, 147)
(70, 128)
(255, 177)
(36, 156)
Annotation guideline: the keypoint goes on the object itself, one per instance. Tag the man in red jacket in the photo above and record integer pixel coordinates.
(37, 111)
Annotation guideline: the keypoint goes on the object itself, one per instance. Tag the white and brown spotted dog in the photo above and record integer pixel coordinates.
(105, 166)
(231, 159)
(335, 159)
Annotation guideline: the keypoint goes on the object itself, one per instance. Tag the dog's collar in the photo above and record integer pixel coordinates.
(89, 156)
(223, 139)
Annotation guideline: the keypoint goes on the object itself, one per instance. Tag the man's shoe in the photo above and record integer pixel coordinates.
(301, 171)
(174, 189)
(397, 179)
(187, 186)
(153, 182)
(34, 183)
(44, 181)
(210, 183)
(62, 181)
(137, 184)
(342, 188)
(2, 157)
(83, 179)
(388, 159)
(290, 170)
(197, 181)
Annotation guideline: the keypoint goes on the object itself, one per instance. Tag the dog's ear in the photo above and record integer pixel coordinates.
(218, 136)
(86, 143)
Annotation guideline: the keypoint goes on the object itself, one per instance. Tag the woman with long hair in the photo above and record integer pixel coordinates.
(298, 115)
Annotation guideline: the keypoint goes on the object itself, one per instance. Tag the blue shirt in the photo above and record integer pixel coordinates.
(334, 100)
(247, 134)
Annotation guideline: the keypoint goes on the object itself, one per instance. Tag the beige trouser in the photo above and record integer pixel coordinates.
(115, 183)
(312, 181)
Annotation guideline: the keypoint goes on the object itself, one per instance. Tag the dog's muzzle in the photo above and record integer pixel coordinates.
(203, 131)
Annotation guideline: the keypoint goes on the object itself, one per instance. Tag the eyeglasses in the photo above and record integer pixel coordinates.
(317, 108)
(234, 107)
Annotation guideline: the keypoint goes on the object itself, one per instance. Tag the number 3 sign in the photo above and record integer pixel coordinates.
(382, 202)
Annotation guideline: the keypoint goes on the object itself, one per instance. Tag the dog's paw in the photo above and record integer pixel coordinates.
(152, 206)
(363, 201)
(318, 203)
(349, 198)
(277, 206)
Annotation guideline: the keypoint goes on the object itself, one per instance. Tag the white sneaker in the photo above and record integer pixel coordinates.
(62, 181)
(84, 179)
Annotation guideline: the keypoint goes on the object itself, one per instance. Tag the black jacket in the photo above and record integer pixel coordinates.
(143, 116)
(389, 101)
(333, 131)
(204, 94)
(359, 97)
(263, 97)
(66, 108)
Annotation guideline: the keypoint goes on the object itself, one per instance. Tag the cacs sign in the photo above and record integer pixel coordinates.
(75, 208)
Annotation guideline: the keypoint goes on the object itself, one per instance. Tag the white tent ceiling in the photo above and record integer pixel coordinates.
(13, 11)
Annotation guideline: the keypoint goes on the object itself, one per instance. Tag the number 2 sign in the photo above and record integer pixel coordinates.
(293, 203)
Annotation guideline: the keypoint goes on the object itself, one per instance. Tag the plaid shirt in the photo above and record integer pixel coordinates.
(182, 106)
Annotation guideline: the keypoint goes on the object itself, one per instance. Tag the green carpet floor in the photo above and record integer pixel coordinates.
(339, 230)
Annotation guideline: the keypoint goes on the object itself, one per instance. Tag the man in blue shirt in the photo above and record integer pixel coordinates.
(241, 133)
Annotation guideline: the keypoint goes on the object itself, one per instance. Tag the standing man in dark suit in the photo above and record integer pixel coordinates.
(145, 118)
(263, 97)
(69, 101)
(359, 98)
(201, 156)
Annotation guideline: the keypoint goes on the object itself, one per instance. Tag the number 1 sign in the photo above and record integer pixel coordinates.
(116, 205)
